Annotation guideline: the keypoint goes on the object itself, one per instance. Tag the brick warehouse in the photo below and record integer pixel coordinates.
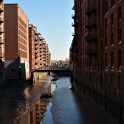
(16, 43)
(97, 50)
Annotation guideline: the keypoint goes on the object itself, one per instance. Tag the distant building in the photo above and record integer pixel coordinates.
(16, 43)
(2, 51)
(39, 54)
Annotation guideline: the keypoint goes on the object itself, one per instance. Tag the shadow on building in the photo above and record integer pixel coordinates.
(15, 74)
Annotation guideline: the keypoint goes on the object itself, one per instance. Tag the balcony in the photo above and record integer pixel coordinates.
(36, 33)
(1, 9)
(36, 39)
(91, 38)
(92, 52)
(1, 55)
(73, 8)
(90, 10)
(74, 34)
(92, 24)
(1, 30)
(74, 16)
(1, 20)
(1, 41)
(36, 44)
(36, 48)
(74, 24)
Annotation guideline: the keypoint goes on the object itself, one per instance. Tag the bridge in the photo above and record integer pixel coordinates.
(56, 71)
(53, 70)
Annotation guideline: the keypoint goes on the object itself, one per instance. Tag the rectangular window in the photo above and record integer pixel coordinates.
(119, 13)
(112, 19)
(119, 35)
(112, 3)
(112, 38)
(112, 79)
(105, 41)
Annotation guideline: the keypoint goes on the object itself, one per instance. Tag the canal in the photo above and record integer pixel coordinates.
(64, 107)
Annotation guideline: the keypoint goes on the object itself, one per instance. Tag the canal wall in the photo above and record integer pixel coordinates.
(114, 106)
(21, 83)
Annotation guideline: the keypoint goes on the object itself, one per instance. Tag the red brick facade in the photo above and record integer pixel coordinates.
(16, 42)
(96, 53)
(39, 54)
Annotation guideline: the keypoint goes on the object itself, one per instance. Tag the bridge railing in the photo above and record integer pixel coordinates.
(52, 68)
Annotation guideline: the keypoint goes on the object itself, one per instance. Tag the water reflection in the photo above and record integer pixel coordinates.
(18, 101)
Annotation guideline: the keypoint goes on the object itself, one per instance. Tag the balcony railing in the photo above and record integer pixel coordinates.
(36, 48)
(1, 20)
(74, 24)
(1, 41)
(1, 55)
(74, 16)
(73, 8)
(91, 38)
(1, 9)
(1, 30)
(90, 10)
(74, 34)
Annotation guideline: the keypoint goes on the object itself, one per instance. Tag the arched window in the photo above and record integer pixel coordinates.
(112, 59)
(119, 58)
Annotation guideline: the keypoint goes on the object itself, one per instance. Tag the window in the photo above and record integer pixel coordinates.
(112, 59)
(112, 79)
(119, 13)
(119, 81)
(119, 35)
(106, 8)
(105, 23)
(112, 20)
(112, 38)
(119, 58)
(105, 41)
(112, 3)
(105, 59)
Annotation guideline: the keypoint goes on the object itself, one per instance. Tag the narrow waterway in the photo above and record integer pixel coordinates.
(66, 107)
(17, 101)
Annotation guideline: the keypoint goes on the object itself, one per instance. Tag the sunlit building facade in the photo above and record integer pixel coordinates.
(2, 55)
(39, 54)
(96, 52)
(16, 43)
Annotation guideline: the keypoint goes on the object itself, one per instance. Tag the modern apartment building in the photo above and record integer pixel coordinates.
(45, 55)
(38, 49)
(2, 59)
(96, 53)
(16, 43)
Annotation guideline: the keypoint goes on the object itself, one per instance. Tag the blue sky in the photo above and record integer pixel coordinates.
(53, 20)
